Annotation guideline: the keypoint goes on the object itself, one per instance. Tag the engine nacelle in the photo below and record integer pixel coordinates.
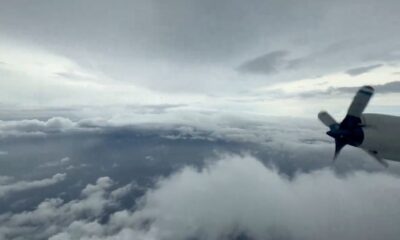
(381, 135)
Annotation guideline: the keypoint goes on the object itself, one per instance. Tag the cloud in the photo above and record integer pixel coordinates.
(53, 215)
(362, 70)
(386, 88)
(266, 64)
(8, 188)
(35, 127)
(122, 191)
(288, 140)
(390, 87)
(192, 47)
(174, 123)
(5, 180)
(65, 160)
(236, 196)
(339, 92)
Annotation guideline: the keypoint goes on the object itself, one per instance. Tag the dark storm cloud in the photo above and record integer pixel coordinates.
(361, 70)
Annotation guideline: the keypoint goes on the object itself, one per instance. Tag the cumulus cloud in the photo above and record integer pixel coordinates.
(235, 197)
(52, 215)
(35, 127)
(8, 188)
(178, 124)
(239, 195)
(63, 162)
(122, 191)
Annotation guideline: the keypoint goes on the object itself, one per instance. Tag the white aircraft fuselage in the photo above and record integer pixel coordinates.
(381, 135)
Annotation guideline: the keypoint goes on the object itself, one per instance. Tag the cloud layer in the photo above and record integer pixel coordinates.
(236, 196)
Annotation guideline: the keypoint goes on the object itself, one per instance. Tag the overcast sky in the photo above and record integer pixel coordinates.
(257, 56)
(193, 119)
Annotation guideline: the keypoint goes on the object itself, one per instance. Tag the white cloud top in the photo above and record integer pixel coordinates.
(236, 195)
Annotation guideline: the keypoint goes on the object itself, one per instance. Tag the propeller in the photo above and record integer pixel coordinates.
(349, 131)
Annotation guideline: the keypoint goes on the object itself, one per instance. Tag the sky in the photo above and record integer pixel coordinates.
(257, 56)
(189, 119)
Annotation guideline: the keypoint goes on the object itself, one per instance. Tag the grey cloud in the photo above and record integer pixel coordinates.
(386, 56)
(72, 76)
(160, 108)
(265, 64)
(386, 88)
(180, 28)
(8, 188)
(63, 162)
(8, 112)
(390, 87)
(5, 180)
(328, 59)
(362, 70)
(152, 43)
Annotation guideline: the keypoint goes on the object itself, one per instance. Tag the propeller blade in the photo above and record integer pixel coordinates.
(326, 119)
(378, 158)
(339, 144)
(360, 101)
